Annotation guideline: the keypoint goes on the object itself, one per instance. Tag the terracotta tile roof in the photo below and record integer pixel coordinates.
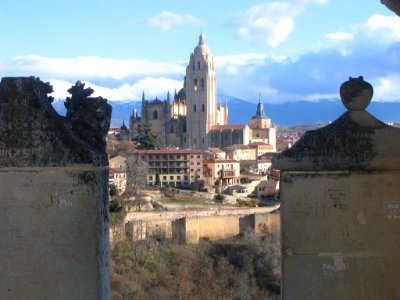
(237, 147)
(220, 161)
(168, 151)
(115, 170)
(229, 127)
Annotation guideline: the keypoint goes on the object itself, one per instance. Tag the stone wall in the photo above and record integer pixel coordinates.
(53, 182)
(340, 202)
(191, 228)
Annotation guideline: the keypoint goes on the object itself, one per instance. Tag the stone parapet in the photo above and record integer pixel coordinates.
(54, 194)
(340, 206)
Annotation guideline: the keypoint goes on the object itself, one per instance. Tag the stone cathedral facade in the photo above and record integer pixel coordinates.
(193, 118)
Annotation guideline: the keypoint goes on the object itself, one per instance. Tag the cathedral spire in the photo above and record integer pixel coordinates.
(260, 108)
(143, 107)
(168, 100)
(202, 39)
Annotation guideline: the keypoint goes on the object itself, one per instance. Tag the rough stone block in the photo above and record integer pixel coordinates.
(53, 207)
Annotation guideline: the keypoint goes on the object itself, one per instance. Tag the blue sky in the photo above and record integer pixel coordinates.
(286, 50)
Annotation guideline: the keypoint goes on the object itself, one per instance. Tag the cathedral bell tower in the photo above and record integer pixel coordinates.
(201, 96)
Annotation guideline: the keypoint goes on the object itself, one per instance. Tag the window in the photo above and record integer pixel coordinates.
(198, 156)
(202, 107)
(171, 177)
(191, 163)
(172, 129)
(198, 163)
(198, 65)
(150, 177)
(202, 83)
(155, 115)
(195, 85)
(179, 177)
(203, 141)
(194, 107)
(164, 177)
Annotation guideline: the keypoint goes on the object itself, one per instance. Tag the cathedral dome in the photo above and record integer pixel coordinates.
(182, 94)
(202, 48)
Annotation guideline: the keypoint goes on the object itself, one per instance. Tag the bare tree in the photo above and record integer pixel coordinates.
(136, 171)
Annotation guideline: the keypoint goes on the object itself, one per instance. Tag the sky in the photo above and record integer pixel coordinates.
(286, 50)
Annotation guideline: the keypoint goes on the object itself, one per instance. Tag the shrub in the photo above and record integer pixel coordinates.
(220, 198)
(248, 203)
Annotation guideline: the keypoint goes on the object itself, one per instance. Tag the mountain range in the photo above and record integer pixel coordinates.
(288, 114)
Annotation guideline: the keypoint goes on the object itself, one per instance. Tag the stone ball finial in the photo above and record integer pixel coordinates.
(356, 94)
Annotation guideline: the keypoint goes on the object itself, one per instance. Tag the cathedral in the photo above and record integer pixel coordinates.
(193, 118)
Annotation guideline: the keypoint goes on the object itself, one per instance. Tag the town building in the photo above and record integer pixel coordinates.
(240, 152)
(174, 167)
(117, 173)
(221, 172)
(194, 118)
(267, 189)
(214, 153)
(255, 166)
(262, 148)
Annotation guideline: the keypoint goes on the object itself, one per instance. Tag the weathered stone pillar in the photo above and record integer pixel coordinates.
(340, 197)
(53, 193)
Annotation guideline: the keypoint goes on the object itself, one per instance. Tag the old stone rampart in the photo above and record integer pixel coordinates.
(54, 195)
(190, 227)
(340, 198)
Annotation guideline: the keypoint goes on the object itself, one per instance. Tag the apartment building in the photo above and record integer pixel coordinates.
(175, 167)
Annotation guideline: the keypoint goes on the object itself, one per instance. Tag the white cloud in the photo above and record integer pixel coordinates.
(246, 62)
(387, 88)
(166, 20)
(153, 87)
(372, 50)
(116, 80)
(321, 1)
(270, 22)
(386, 29)
(88, 67)
(339, 36)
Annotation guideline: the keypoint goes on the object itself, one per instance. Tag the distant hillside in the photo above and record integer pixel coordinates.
(289, 113)
(305, 112)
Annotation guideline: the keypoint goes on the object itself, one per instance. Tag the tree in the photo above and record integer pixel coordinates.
(145, 138)
(136, 172)
(158, 181)
(113, 191)
(198, 185)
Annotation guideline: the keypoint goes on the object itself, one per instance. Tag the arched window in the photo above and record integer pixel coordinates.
(198, 65)
(155, 115)
(202, 83)
(202, 107)
(194, 107)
